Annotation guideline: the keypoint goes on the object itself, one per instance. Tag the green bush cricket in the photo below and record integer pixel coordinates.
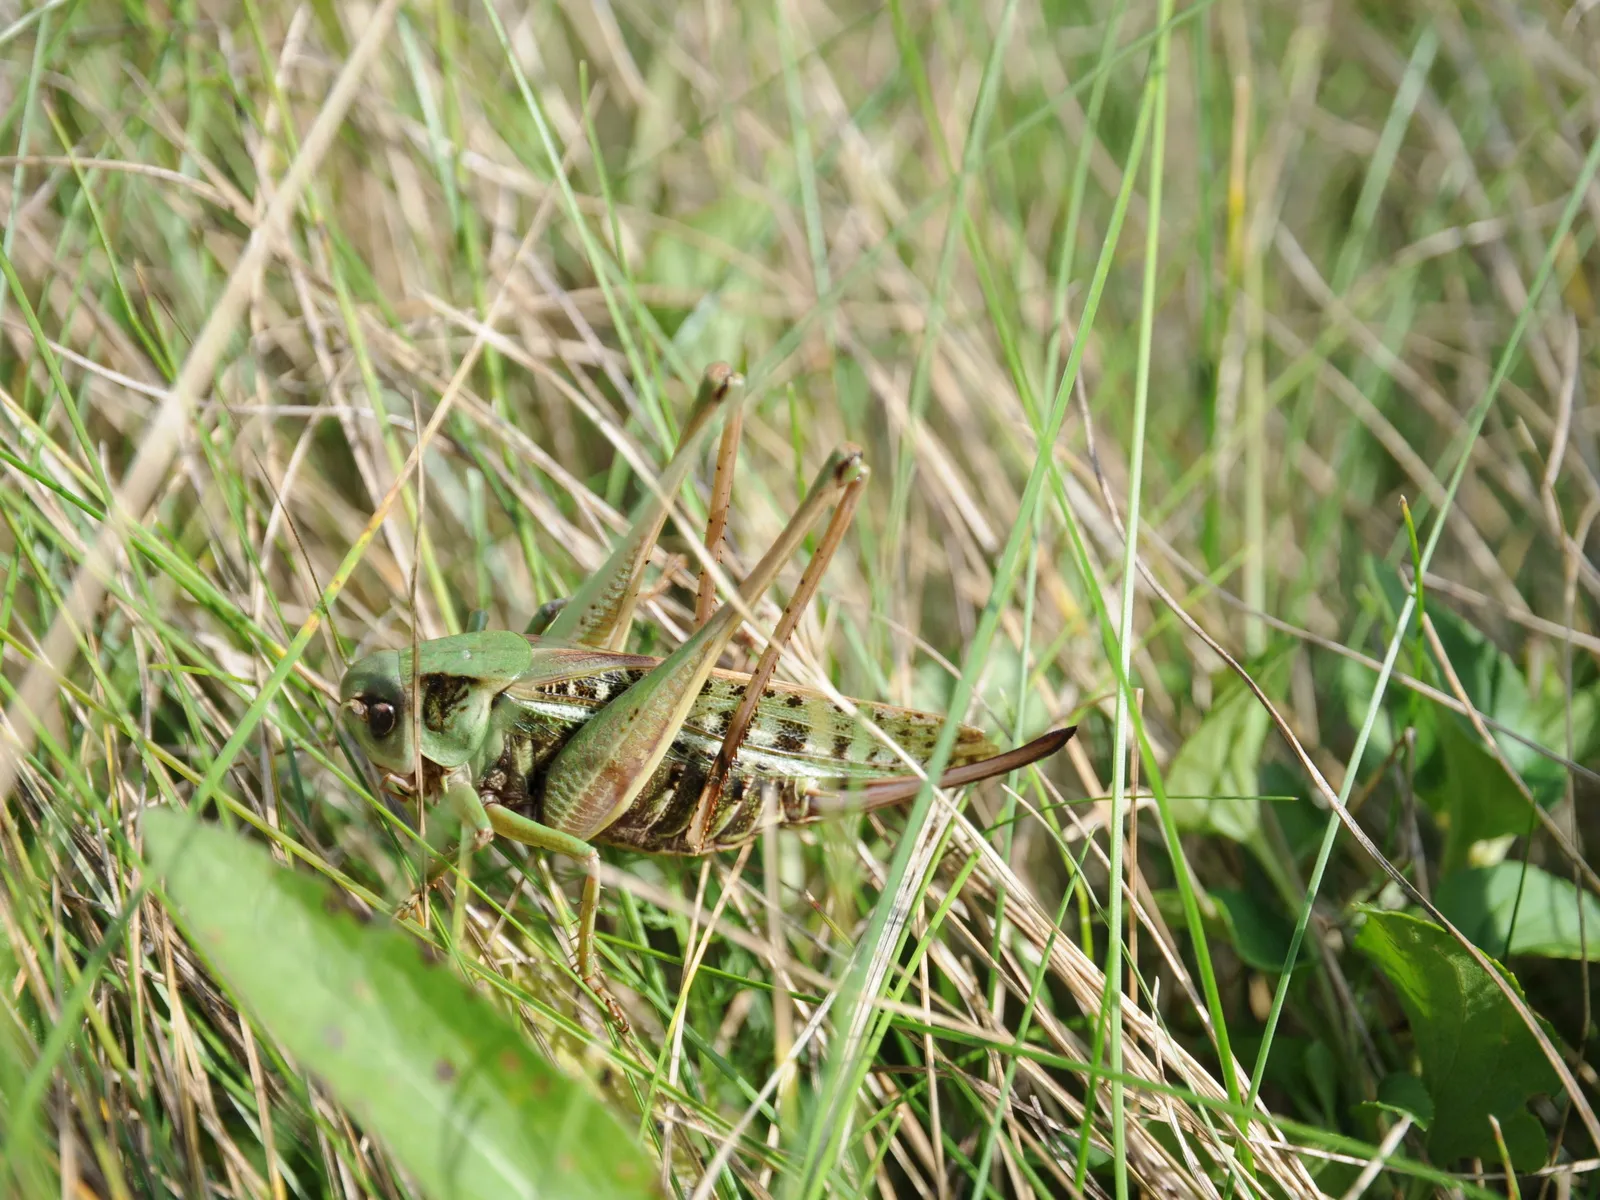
(558, 739)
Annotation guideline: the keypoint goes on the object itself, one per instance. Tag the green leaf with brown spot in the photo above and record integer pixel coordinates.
(417, 1057)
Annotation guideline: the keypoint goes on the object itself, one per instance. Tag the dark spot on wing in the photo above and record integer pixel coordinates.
(585, 688)
(441, 695)
(841, 746)
(791, 737)
(795, 700)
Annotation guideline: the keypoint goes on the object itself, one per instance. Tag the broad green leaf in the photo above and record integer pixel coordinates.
(1526, 1141)
(1404, 1094)
(1289, 1068)
(1551, 711)
(1469, 790)
(1213, 780)
(1355, 683)
(1498, 690)
(1481, 902)
(1495, 685)
(1299, 818)
(422, 1061)
(1259, 932)
(1477, 1056)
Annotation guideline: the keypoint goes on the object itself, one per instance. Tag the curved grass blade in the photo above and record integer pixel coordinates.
(418, 1058)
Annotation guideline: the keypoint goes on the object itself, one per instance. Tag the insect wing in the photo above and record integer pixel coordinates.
(798, 731)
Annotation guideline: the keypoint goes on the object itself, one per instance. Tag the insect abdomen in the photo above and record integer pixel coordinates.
(800, 747)
(659, 820)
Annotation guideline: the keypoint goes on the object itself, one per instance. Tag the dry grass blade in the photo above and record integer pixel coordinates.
(159, 442)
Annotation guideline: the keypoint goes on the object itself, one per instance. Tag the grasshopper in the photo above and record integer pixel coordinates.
(557, 739)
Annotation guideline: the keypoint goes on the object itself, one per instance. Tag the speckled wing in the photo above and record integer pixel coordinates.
(802, 732)
(797, 731)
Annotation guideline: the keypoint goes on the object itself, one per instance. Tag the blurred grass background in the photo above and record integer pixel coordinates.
(1272, 285)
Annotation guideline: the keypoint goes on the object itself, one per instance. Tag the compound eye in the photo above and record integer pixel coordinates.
(380, 718)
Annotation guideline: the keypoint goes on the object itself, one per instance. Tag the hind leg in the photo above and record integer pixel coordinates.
(739, 723)
(717, 519)
(599, 772)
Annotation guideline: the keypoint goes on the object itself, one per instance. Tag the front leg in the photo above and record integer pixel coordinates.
(541, 837)
(463, 802)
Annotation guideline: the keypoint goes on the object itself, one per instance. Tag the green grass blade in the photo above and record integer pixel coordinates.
(1156, 104)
